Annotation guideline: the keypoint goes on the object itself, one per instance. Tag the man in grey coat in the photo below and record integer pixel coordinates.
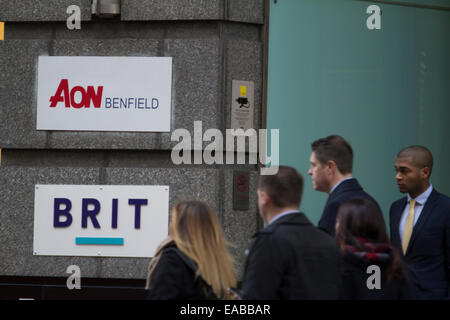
(290, 258)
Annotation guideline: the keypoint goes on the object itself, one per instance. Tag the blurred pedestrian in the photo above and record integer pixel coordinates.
(331, 166)
(420, 225)
(290, 258)
(371, 269)
(193, 262)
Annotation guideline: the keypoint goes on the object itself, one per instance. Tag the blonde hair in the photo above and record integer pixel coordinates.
(197, 233)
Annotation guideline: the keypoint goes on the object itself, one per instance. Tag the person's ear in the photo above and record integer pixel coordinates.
(425, 173)
(331, 166)
(265, 199)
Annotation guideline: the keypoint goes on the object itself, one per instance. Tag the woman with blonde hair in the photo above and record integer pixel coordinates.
(193, 262)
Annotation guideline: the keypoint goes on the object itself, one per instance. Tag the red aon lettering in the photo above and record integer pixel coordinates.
(63, 95)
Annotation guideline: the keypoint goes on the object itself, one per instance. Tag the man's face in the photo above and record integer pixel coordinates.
(318, 173)
(409, 177)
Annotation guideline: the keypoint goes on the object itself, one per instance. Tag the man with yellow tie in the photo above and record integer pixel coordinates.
(420, 225)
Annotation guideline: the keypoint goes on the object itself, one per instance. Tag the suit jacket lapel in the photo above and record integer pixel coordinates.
(424, 215)
(332, 196)
(347, 185)
(294, 218)
(396, 217)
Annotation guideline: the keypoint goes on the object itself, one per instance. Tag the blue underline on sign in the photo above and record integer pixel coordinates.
(99, 241)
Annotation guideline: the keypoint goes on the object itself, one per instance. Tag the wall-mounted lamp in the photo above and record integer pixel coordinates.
(106, 8)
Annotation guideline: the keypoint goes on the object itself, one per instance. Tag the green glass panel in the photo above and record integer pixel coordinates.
(382, 89)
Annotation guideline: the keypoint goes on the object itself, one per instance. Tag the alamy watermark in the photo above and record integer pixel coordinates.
(235, 143)
(374, 20)
(374, 280)
(74, 20)
(74, 280)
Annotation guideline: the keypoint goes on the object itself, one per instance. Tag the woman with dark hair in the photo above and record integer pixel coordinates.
(193, 262)
(372, 269)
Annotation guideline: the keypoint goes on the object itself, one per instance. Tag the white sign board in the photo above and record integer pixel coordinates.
(104, 94)
(95, 220)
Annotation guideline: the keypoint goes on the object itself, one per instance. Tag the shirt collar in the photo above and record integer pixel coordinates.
(283, 214)
(337, 184)
(421, 199)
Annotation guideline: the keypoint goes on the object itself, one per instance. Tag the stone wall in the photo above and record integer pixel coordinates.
(212, 42)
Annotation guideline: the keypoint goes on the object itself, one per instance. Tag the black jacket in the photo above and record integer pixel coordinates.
(355, 277)
(174, 278)
(347, 190)
(292, 259)
(428, 254)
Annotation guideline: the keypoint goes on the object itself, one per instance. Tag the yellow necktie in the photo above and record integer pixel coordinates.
(408, 226)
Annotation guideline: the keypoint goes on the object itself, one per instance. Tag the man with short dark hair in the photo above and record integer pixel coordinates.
(290, 258)
(331, 165)
(420, 225)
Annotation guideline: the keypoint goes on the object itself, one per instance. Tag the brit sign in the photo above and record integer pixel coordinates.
(100, 220)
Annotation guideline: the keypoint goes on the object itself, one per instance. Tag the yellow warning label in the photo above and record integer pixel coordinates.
(243, 91)
(2, 30)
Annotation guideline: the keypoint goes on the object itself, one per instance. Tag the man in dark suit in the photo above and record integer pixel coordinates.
(420, 225)
(331, 165)
(290, 258)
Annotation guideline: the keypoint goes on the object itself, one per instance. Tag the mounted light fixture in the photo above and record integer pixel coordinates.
(106, 8)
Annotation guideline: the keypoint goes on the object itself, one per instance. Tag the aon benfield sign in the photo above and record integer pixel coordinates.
(104, 94)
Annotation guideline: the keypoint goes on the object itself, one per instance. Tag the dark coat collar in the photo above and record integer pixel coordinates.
(350, 185)
(297, 218)
(424, 215)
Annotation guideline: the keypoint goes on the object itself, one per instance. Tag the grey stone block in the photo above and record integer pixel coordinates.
(53, 266)
(244, 62)
(240, 31)
(114, 30)
(42, 10)
(196, 86)
(118, 30)
(53, 158)
(196, 74)
(210, 185)
(17, 216)
(240, 226)
(107, 47)
(192, 30)
(18, 92)
(251, 11)
(201, 184)
(105, 140)
(124, 268)
(30, 30)
(172, 9)
(139, 159)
